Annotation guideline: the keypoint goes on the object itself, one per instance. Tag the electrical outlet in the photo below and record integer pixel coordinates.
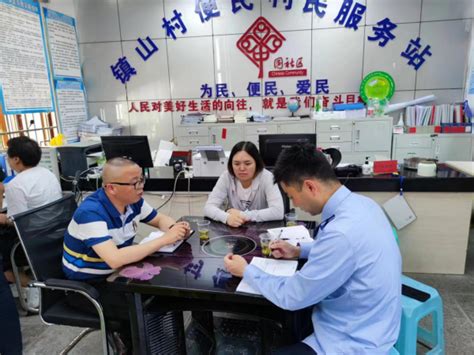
(188, 173)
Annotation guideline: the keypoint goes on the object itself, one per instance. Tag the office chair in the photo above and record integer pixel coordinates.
(286, 200)
(41, 233)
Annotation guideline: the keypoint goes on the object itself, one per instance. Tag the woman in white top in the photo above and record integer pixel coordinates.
(246, 191)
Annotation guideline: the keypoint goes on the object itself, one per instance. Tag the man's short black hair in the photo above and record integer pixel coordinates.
(301, 162)
(26, 149)
(251, 150)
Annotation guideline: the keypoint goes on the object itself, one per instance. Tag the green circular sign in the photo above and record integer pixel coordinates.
(377, 85)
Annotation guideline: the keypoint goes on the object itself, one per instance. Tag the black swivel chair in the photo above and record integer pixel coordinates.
(41, 233)
(286, 200)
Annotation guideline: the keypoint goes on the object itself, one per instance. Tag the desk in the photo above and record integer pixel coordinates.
(189, 280)
(447, 179)
(435, 243)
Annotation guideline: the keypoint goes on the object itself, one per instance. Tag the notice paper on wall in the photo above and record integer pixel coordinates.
(270, 266)
(72, 107)
(61, 30)
(24, 74)
(399, 212)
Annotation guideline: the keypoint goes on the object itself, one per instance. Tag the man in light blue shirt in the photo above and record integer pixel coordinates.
(352, 276)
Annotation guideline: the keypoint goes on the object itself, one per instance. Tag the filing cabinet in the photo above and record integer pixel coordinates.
(189, 136)
(442, 146)
(356, 138)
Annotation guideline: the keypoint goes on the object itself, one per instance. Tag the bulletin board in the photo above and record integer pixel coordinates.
(71, 106)
(63, 47)
(25, 85)
(66, 69)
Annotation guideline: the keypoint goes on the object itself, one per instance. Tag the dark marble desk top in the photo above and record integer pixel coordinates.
(190, 271)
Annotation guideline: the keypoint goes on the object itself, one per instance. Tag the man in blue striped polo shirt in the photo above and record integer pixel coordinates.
(100, 236)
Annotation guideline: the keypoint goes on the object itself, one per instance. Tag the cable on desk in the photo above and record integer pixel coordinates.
(174, 190)
(75, 184)
(189, 191)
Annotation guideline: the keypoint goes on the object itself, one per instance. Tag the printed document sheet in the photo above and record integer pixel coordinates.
(270, 266)
(167, 248)
(293, 235)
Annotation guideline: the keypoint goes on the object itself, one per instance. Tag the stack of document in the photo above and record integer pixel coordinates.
(272, 267)
(293, 235)
(93, 125)
(286, 118)
(240, 118)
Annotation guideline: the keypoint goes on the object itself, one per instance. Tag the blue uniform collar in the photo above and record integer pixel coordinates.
(334, 201)
(103, 198)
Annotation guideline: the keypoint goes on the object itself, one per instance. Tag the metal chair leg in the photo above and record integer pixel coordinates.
(103, 327)
(98, 307)
(82, 335)
(76, 340)
(16, 273)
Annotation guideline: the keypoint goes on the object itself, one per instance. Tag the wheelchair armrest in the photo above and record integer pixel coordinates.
(70, 285)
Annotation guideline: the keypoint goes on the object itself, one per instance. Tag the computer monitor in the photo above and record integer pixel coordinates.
(271, 145)
(134, 147)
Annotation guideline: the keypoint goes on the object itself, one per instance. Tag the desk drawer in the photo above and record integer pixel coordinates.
(193, 141)
(258, 129)
(192, 131)
(412, 141)
(302, 126)
(334, 137)
(333, 126)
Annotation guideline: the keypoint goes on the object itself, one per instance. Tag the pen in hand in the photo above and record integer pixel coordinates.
(279, 234)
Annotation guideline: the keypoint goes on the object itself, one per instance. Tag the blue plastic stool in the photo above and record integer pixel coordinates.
(393, 351)
(395, 234)
(412, 312)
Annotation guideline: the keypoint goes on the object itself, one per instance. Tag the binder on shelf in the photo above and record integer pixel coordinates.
(456, 127)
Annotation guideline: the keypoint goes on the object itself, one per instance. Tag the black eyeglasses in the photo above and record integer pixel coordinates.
(137, 185)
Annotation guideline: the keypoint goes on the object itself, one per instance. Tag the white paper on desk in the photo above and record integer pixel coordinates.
(270, 266)
(165, 150)
(293, 235)
(167, 248)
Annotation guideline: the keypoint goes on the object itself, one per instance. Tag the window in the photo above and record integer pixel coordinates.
(38, 126)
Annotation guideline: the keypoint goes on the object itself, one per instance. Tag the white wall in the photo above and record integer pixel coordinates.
(207, 53)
